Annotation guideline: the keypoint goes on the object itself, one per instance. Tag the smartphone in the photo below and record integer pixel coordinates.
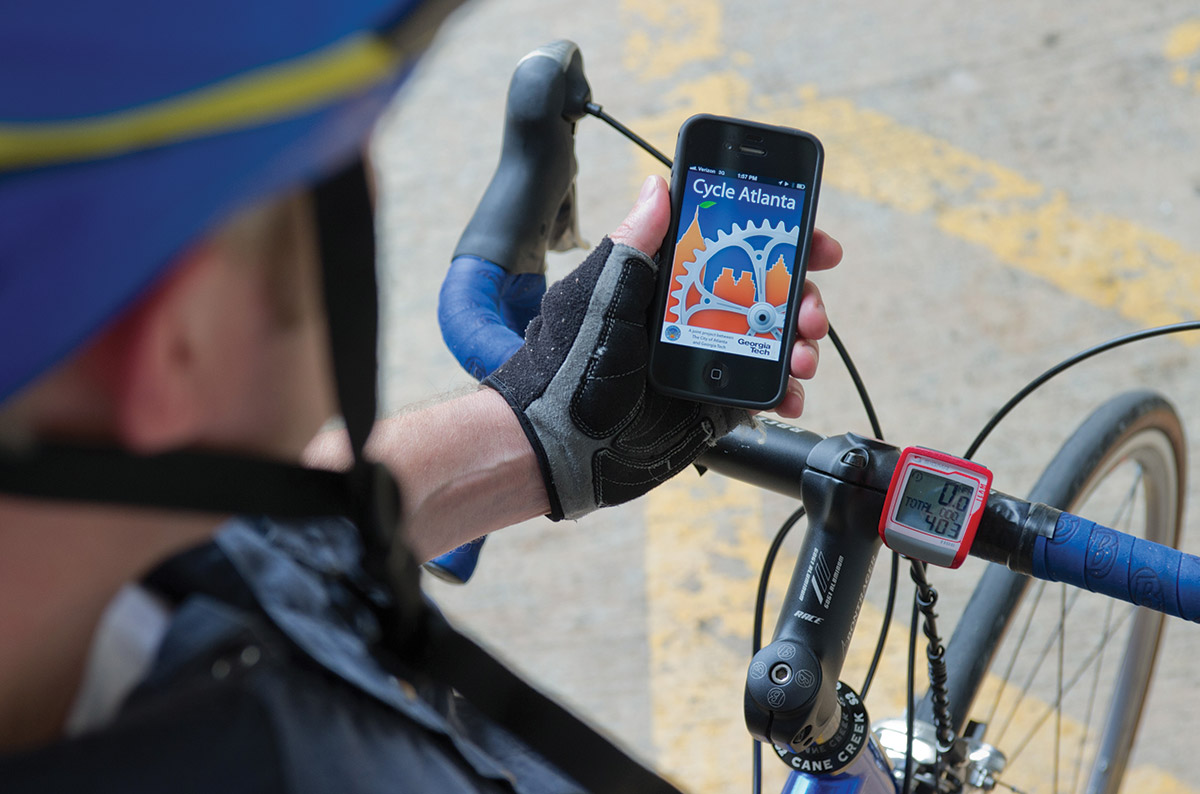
(731, 272)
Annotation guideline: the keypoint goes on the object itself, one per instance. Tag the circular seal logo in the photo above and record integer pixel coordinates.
(805, 679)
(758, 670)
(776, 697)
(673, 332)
(786, 651)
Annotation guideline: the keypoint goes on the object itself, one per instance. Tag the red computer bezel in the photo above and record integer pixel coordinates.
(967, 468)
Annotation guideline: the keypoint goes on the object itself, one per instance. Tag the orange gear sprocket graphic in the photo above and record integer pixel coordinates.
(753, 303)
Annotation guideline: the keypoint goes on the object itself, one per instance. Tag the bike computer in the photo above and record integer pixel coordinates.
(933, 506)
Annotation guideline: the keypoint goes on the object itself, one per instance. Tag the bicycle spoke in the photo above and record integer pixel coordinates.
(1057, 640)
(1012, 661)
(1091, 702)
(1062, 661)
(1050, 709)
(1027, 685)
(1123, 520)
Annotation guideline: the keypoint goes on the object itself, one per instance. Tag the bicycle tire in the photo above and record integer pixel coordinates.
(1137, 427)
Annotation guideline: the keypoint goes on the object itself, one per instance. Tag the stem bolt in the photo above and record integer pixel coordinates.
(781, 673)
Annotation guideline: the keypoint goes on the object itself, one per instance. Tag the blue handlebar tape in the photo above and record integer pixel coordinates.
(483, 311)
(458, 565)
(1088, 555)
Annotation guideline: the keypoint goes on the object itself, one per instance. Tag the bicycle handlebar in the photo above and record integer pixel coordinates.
(497, 276)
(495, 284)
(1026, 537)
(529, 205)
(493, 289)
(847, 475)
(1093, 557)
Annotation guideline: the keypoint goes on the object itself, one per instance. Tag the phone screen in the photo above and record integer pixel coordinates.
(735, 256)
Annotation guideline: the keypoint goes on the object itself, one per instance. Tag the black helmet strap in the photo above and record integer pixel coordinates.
(346, 237)
(367, 494)
(210, 482)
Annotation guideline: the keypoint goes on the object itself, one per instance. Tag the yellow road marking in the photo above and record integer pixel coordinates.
(669, 35)
(1182, 49)
(704, 548)
(706, 540)
(704, 536)
(1108, 261)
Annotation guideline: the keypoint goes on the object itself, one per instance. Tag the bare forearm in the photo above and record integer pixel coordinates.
(464, 467)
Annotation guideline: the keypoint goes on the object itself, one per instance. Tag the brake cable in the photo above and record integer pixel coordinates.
(1078, 358)
(925, 596)
(596, 110)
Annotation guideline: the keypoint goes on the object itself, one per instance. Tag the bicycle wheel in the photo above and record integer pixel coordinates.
(1052, 676)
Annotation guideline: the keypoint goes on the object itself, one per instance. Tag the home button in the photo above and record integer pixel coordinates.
(716, 375)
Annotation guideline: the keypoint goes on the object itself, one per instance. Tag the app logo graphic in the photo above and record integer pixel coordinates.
(736, 281)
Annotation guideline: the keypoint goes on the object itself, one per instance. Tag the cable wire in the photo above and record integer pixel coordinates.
(1062, 367)
(893, 583)
(893, 580)
(910, 719)
(760, 606)
(597, 111)
(859, 386)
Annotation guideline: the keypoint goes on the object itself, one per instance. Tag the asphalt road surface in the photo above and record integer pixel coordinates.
(1011, 183)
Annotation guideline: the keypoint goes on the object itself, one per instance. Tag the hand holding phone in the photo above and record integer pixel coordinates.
(743, 203)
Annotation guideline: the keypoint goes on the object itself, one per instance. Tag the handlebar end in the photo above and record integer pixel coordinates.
(530, 205)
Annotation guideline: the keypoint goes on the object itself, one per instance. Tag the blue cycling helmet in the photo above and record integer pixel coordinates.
(129, 128)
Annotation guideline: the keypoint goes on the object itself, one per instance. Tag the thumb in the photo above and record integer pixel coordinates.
(646, 224)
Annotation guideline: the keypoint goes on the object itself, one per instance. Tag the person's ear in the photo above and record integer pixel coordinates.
(157, 383)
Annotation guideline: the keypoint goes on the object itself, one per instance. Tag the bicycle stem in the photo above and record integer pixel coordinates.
(775, 455)
(497, 273)
(793, 698)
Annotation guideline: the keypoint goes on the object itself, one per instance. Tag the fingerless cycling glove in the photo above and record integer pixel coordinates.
(579, 388)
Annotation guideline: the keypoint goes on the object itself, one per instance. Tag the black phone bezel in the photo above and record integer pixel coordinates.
(723, 143)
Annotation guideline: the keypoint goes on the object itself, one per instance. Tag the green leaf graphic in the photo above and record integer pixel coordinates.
(706, 204)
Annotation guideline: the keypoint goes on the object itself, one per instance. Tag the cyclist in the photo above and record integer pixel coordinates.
(181, 234)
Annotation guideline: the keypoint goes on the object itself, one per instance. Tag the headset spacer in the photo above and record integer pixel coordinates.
(847, 742)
